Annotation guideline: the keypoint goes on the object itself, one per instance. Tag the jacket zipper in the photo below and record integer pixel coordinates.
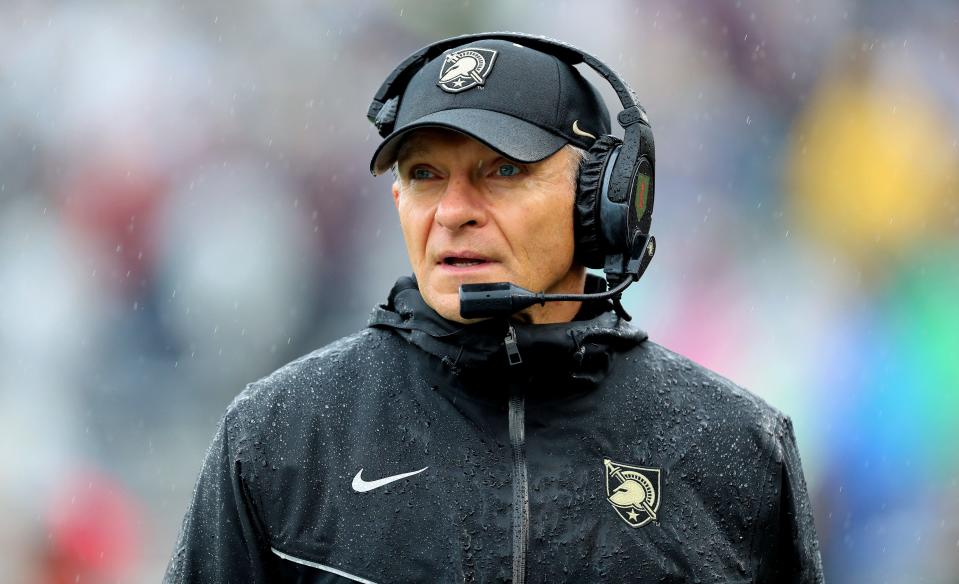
(517, 438)
(512, 350)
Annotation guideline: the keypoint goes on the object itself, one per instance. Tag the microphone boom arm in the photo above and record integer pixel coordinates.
(501, 299)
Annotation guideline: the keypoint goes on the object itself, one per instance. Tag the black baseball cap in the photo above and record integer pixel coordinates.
(523, 103)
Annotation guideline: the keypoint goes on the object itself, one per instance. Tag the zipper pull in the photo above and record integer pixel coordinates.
(512, 351)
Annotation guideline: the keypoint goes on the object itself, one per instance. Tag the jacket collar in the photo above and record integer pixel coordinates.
(579, 350)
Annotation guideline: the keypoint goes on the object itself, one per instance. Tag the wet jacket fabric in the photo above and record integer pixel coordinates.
(420, 450)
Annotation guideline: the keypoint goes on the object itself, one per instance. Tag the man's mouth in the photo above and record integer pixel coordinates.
(462, 262)
(463, 259)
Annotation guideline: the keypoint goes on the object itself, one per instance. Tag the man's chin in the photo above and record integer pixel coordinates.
(447, 305)
(443, 293)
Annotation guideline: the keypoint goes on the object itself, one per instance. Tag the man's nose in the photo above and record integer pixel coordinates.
(461, 204)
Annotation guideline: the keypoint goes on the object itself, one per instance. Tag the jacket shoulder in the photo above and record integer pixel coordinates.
(274, 415)
(703, 388)
(303, 386)
(732, 441)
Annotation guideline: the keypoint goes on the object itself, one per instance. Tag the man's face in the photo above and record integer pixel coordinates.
(469, 215)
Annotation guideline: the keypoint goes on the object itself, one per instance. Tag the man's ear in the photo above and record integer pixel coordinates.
(396, 193)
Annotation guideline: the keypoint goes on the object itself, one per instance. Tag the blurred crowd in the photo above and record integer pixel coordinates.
(185, 205)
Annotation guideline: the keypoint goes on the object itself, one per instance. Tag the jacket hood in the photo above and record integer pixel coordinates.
(579, 350)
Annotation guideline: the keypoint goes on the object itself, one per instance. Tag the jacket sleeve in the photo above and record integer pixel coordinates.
(791, 546)
(221, 539)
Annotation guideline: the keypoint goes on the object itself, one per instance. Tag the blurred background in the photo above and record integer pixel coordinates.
(185, 206)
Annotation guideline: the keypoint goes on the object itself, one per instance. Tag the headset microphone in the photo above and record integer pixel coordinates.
(501, 299)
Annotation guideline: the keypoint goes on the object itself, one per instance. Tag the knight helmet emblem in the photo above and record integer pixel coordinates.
(465, 69)
(633, 492)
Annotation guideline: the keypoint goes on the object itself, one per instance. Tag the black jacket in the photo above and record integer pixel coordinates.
(600, 457)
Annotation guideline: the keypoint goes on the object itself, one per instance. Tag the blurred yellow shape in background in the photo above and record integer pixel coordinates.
(872, 162)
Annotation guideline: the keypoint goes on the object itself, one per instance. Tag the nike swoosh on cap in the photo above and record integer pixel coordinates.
(361, 486)
(579, 132)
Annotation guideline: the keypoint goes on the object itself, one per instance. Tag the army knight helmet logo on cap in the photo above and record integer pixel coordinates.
(633, 492)
(465, 69)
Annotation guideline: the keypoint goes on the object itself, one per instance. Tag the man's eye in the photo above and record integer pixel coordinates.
(507, 169)
(421, 173)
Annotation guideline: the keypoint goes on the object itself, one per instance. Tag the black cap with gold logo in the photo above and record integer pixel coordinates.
(523, 103)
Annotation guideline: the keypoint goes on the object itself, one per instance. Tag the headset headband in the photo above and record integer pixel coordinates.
(396, 83)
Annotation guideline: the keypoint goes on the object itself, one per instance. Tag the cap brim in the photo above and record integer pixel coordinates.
(512, 137)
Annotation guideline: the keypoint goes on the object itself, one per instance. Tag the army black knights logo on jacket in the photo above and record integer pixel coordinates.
(413, 451)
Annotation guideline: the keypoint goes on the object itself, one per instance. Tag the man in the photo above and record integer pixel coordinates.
(554, 444)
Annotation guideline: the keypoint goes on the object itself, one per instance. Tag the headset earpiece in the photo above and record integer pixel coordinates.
(614, 196)
(590, 245)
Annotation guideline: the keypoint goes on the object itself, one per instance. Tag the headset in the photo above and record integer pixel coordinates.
(614, 192)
